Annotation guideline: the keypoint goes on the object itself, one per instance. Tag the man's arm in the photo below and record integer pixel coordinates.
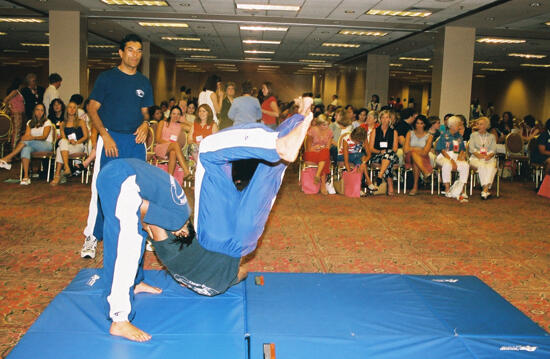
(143, 129)
(109, 144)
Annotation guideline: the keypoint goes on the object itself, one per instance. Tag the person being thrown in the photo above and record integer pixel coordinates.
(138, 198)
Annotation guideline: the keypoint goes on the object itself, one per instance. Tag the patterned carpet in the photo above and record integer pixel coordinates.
(504, 241)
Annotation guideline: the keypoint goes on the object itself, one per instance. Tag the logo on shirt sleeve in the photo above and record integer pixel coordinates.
(178, 195)
(140, 93)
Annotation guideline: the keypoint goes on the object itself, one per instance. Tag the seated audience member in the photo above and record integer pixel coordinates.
(361, 118)
(352, 153)
(542, 153)
(482, 148)
(383, 146)
(338, 128)
(74, 134)
(57, 111)
(318, 110)
(167, 145)
(507, 123)
(529, 129)
(155, 114)
(164, 107)
(435, 125)
(403, 127)
(79, 100)
(418, 144)
(203, 126)
(349, 113)
(451, 157)
(317, 146)
(371, 123)
(245, 108)
(190, 116)
(495, 130)
(38, 137)
(443, 126)
(463, 129)
(330, 112)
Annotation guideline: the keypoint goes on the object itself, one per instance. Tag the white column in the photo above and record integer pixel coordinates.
(452, 72)
(69, 51)
(377, 78)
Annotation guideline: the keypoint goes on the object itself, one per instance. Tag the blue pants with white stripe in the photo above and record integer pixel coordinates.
(228, 221)
(124, 239)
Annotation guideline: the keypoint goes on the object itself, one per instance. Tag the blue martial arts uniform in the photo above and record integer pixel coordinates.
(122, 186)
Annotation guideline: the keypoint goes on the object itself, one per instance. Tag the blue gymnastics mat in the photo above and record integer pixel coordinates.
(321, 316)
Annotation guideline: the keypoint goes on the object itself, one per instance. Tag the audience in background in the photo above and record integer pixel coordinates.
(482, 148)
(204, 125)
(191, 111)
(542, 154)
(340, 127)
(464, 130)
(225, 121)
(57, 111)
(52, 92)
(418, 144)
(374, 104)
(155, 114)
(403, 127)
(167, 141)
(352, 153)
(317, 146)
(270, 109)
(435, 125)
(16, 106)
(361, 118)
(212, 95)
(383, 144)
(529, 128)
(245, 108)
(32, 94)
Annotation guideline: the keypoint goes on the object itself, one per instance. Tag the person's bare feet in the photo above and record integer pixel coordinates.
(129, 331)
(146, 288)
(289, 145)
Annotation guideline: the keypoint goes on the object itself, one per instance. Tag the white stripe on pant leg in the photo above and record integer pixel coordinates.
(92, 208)
(128, 250)
(199, 175)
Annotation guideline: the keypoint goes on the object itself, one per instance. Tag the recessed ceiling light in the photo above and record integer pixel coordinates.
(547, 23)
(263, 28)
(527, 56)
(494, 40)
(319, 65)
(201, 49)
(493, 69)
(20, 19)
(398, 13)
(258, 58)
(323, 54)
(163, 24)
(268, 66)
(16, 51)
(101, 46)
(483, 62)
(425, 59)
(135, 2)
(362, 33)
(267, 7)
(34, 44)
(2, 33)
(203, 56)
(336, 44)
(396, 65)
(349, 11)
(225, 65)
(267, 42)
(480, 76)
(535, 65)
(314, 61)
(226, 69)
(172, 38)
(258, 52)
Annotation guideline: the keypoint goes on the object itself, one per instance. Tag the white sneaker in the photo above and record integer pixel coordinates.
(25, 182)
(330, 188)
(88, 249)
(4, 164)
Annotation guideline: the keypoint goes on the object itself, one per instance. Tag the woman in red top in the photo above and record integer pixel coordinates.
(203, 126)
(317, 144)
(270, 109)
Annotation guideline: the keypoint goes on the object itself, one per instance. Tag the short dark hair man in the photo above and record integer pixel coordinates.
(52, 92)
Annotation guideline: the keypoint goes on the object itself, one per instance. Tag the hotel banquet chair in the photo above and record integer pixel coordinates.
(49, 155)
(150, 145)
(537, 169)
(514, 151)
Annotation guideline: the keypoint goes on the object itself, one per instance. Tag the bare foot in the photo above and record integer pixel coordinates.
(289, 145)
(146, 288)
(129, 331)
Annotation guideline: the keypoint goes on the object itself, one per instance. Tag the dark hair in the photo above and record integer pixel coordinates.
(175, 107)
(321, 109)
(172, 99)
(529, 120)
(183, 88)
(186, 240)
(495, 119)
(85, 105)
(362, 109)
(269, 86)
(335, 96)
(507, 113)
(164, 103)
(152, 111)
(407, 113)
(14, 85)
(358, 135)
(547, 125)
(348, 106)
(424, 120)
(191, 101)
(307, 94)
(129, 38)
(246, 87)
(377, 97)
(212, 82)
(50, 109)
(433, 119)
(463, 119)
(446, 117)
(77, 98)
(53, 78)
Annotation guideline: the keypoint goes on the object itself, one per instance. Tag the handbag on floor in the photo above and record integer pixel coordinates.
(308, 181)
(352, 183)
(544, 189)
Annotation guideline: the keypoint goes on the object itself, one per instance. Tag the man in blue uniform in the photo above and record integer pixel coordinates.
(118, 108)
(228, 222)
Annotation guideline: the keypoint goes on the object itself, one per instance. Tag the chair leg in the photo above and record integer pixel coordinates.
(405, 182)
(399, 180)
(21, 170)
(471, 182)
(49, 168)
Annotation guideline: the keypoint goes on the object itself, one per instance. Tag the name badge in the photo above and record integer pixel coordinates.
(72, 136)
(383, 144)
(483, 150)
(198, 139)
(455, 146)
(173, 138)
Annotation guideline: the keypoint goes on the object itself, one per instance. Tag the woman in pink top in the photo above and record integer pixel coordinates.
(168, 133)
(17, 108)
(318, 140)
(270, 109)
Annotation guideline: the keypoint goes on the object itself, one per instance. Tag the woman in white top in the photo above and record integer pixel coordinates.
(38, 137)
(212, 95)
(482, 147)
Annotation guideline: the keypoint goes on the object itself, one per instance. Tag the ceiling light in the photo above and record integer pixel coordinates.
(535, 65)
(267, 42)
(19, 19)
(2, 33)
(480, 76)
(494, 40)
(268, 66)
(34, 44)
(263, 28)
(201, 49)
(267, 7)
(527, 56)
(258, 58)
(415, 58)
(163, 24)
(101, 46)
(135, 2)
(172, 38)
(336, 44)
(224, 65)
(15, 51)
(493, 69)
(314, 61)
(258, 52)
(228, 70)
(483, 62)
(396, 65)
(362, 33)
(547, 23)
(398, 13)
(203, 56)
(323, 54)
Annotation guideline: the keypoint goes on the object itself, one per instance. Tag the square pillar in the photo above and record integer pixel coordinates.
(69, 51)
(453, 66)
(377, 78)
(146, 59)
